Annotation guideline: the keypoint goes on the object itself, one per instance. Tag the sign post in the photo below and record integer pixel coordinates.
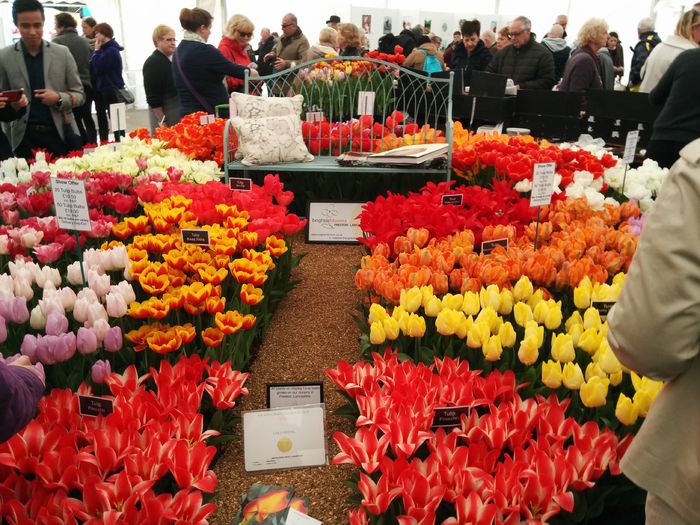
(72, 211)
(628, 156)
(542, 188)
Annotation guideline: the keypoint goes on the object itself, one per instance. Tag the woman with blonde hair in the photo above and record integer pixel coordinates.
(161, 95)
(349, 40)
(584, 70)
(686, 36)
(327, 45)
(234, 46)
(503, 38)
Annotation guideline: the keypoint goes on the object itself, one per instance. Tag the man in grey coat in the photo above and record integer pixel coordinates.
(527, 62)
(49, 76)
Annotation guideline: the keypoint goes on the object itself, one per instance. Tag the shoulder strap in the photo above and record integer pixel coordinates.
(192, 90)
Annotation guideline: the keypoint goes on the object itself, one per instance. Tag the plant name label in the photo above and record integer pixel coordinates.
(117, 116)
(199, 237)
(365, 103)
(488, 246)
(314, 116)
(542, 184)
(71, 205)
(294, 517)
(455, 199)
(603, 307)
(282, 395)
(333, 222)
(95, 406)
(206, 119)
(449, 416)
(240, 184)
(630, 146)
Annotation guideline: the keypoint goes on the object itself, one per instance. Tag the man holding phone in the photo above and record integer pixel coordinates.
(49, 76)
(12, 104)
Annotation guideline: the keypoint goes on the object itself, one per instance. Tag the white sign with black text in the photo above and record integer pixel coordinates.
(630, 147)
(365, 103)
(294, 517)
(542, 184)
(336, 222)
(117, 117)
(71, 205)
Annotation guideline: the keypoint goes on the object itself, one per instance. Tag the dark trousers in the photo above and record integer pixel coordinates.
(84, 120)
(102, 102)
(41, 136)
(665, 152)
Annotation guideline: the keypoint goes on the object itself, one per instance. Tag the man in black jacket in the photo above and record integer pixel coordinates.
(527, 62)
(648, 39)
(267, 42)
(470, 54)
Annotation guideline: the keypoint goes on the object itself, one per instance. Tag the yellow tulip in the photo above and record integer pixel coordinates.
(376, 333)
(582, 293)
(573, 320)
(563, 348)
(506, 302)
(507, 334)
(594, 392)
(605, 357)
(644, 383)
(589, 341)
(572, 376)
(619, 279)
(433, 307)
(591, 319)
(539, 313)
(446, 321)
(391, 328)
(398, 312)
(528, 351)
(454, 302)
(626, 411)
(616, 378)
(642, 400)
(523, 289)
(492, 348)
(402, 319)
(490, 297)
(554, 317)
(411, 299)
(593, 369)
(551, 374)
(471, 305)
(575, 333)
(477, 335)
(415, 326)
(461, 325)
(377, 313)
(603, 292)
(523, 313)
(532, 329)
(535, 298)
(427, 293)
(489, 317)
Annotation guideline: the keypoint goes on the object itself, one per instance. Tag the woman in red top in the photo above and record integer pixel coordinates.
(234, 45)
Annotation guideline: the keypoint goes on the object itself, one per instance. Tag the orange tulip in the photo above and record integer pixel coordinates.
(138, 337)
(215, 305)
(261, 258)
(209, 274)
(197, 292)
(248, 239)
(275, 246)
(418, 236)
(251, 295)
(164, 342)
(153, 283)
(212, 337)
(186, 332)
(152, 308)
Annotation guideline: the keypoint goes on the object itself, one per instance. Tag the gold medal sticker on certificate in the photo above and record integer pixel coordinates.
(284, 438)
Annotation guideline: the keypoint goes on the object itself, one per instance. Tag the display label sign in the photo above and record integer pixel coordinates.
(488, 246)
(630, 147)
(206, 119)
(603, 307)
(365, 103)
(117, 116)
(542, 184)
(281, 395)
(71, 205)
(455, 199)
(95, 406)
(284, 438)
(294, 517)
(240, 184)
(333, 222)
(314, 116)
(449, 416)
(199, 237)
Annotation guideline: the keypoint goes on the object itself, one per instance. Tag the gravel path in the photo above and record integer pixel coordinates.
(310, 332)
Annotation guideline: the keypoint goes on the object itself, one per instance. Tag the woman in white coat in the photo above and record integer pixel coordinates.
(687, 36)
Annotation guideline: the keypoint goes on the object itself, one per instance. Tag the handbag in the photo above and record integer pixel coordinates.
(123, 94)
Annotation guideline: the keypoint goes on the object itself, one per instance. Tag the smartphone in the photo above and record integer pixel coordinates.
(12, 95)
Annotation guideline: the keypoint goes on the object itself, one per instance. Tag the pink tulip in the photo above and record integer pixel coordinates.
(56, 324)
(98, 283)
(142, 163)
(100, 370)
(3, 330)
(80, 310)
(15, 310)
(101, 327)
(29, 346)
(4, 245)
(113, 339)
(48, 253)
(116, 305)
(68, 298)
(10, 217)
(86, 342)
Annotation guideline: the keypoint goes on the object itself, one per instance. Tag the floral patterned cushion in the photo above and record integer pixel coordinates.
(269, 140)
(248, 106)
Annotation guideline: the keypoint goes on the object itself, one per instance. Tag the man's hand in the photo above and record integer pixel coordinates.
(253, 73)
(48, 97)
(280, 64)
(23, 102)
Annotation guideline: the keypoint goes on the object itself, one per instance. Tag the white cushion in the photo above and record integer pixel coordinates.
(269, 140)
(248, 106)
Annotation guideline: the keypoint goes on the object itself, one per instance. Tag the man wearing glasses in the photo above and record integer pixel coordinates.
(527, 62)
(291, 47)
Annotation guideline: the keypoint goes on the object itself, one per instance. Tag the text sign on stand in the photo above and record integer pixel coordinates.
(630, 147)
(603, 307)
(314, 116)
(281, 395)
(117, 117)
(449, 416)
(542, 184)
(206, 119)
(71, 204)
(455, 199)
(333, 222)
(365, 103)
(488, 246)
(240, 184)
(294, 517)
(284, 438)
(194, 236)
(95, 406)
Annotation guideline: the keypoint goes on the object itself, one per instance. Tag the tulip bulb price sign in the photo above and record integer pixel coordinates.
(542, 188)
(72, 211)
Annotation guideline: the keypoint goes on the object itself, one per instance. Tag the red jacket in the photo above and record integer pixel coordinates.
(235, 53)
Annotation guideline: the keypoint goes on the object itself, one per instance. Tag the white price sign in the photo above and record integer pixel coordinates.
(71, 204)
(206, 119)
(117, 116)
(365, 103)
(542, 184)
(630, 147)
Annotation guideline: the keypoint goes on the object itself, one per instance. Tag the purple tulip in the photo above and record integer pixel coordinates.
(100, 370)
(20, 312)
(3, 330)
(63, 347)
(29, 347)
(56, 324)
(113, 339)
(43, 351)
(86, 341)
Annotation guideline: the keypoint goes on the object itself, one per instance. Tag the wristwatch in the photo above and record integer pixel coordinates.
(59, 104)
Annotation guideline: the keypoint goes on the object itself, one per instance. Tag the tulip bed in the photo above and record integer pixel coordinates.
(515, 339)
(163, 328)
